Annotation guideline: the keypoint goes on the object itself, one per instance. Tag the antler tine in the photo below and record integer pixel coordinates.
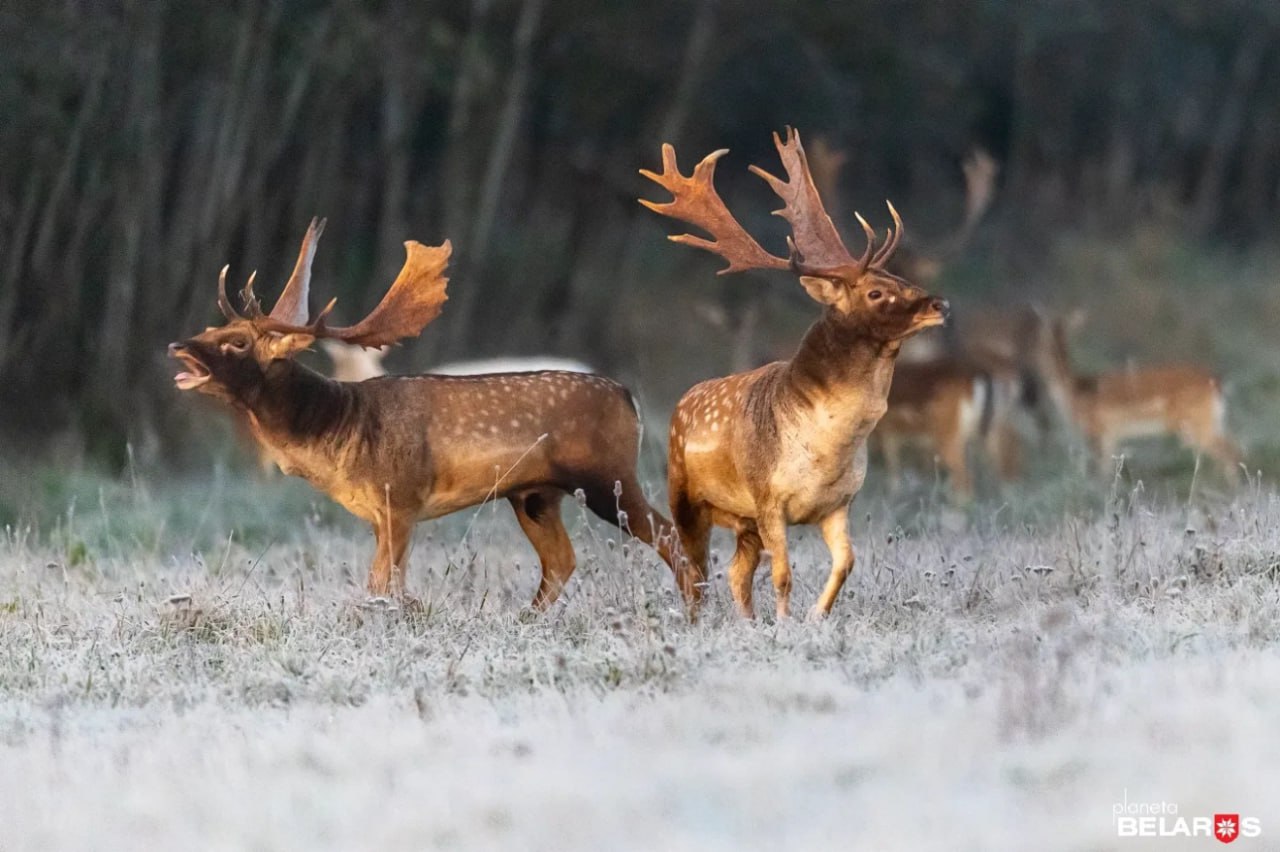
(416, 298)
(814, 232)
(797, 262)
(252, 307)
(865, 260)
(696, 202)
(291, 307)
(224, 304)
(891, 240)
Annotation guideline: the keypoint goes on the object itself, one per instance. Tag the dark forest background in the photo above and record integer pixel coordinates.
(145, 144)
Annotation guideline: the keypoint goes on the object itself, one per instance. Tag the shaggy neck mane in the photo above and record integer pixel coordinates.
(298, 405)
(834, 357)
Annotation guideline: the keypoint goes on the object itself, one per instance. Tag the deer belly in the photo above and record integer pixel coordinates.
(714, 480)
(1148, 421)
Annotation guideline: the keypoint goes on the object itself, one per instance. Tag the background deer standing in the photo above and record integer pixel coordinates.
(785, 443)
(397, 450)
(945, 407)
(1115, 406)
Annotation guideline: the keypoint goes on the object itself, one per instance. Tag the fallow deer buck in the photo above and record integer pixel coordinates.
(1184, 400)
(397, 450)
(785, 443)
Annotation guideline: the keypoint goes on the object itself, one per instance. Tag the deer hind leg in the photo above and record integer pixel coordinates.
(773, 535)
(1228, 455)
(630, 511)
(622, 503)
(835, 532)
(742, 570)
(393, 535)
(693, 527)
(1210, 437)
(539, 515)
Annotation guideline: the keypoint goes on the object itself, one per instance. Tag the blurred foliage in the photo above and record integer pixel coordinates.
(145, 144)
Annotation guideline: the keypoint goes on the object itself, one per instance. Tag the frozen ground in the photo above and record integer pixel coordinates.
(983, 686)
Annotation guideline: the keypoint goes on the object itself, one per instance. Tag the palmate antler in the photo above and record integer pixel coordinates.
(816, 247)
(415, 298)
(291, 307)
(696, 202)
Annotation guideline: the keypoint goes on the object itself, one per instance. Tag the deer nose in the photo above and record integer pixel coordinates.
(942, 306)
(175, 348)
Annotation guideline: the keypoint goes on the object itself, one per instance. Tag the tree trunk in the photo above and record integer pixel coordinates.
(1208, 203)
(455, 177)
(464, 316)
(592, 298)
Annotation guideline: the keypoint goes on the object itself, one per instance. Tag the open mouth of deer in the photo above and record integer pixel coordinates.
(195, 373)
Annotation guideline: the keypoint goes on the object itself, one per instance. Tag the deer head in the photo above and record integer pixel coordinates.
(234, 361)
(857, 292)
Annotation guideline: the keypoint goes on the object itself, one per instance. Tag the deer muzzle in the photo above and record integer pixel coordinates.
(933, 312)
(196, 373)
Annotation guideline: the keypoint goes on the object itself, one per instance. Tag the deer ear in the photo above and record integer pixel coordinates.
(288, 344)
(822, 290)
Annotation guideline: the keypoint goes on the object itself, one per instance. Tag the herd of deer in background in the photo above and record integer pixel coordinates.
(782, 444)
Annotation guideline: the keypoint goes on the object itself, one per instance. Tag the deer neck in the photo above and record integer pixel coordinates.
(296, 406)
(843, 371)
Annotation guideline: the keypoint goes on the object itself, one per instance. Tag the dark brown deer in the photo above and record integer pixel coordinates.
(786, 443)
(397, 450)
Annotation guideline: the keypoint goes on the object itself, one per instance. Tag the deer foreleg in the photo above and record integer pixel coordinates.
(393, 534)
(773, 535)
(693, 525)
(742, 570)
(835, 532)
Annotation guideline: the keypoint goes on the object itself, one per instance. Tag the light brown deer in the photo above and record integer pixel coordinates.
(943, 407)
(1002, 341)
(951, 408)
(785, 443)
(397, 450)
(1107, 409)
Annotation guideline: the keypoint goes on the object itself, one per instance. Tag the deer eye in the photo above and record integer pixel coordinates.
(875, 295)
(236, 344)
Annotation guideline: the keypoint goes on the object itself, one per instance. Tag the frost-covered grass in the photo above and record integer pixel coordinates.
(991, 680)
